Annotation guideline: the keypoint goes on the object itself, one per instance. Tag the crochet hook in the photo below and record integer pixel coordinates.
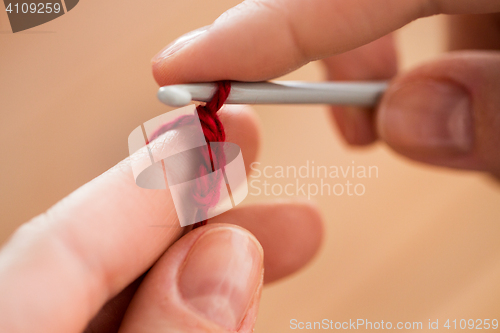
(279, 92)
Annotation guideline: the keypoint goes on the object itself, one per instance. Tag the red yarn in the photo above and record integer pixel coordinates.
(206, 191)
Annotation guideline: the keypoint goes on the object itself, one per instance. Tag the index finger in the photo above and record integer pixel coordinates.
(61, 267)
(263, 39)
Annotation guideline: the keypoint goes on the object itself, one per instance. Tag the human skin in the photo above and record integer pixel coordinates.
(444, 112)
(95, 265)
(78, 265)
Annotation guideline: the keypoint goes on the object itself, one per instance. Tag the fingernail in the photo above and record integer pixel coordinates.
(221, 275)
(179, 43)
(428, 116)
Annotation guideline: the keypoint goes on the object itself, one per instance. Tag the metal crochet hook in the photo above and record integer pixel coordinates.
(278, 92)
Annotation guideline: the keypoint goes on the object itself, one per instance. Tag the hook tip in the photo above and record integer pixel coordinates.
(174, 96)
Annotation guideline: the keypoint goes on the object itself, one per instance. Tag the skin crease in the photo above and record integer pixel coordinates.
(78, 270)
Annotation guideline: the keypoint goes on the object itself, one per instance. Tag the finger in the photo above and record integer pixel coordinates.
(110, 316)
(290, 233)
(478, 32)
(209, 281)
(242, 127)
(263, 39)
(447, 112)
(374, 61)
(90, 246)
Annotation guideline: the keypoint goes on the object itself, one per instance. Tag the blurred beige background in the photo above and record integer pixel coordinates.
(422, 243)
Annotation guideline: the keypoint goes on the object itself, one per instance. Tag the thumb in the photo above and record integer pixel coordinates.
(209, 281)
(447, 112)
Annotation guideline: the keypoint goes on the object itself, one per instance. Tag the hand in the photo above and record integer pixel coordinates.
(100, 260)
(445, 112)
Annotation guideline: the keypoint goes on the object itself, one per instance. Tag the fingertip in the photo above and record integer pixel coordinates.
(209, 281)
(308, 218)
(427, 118)
(356, 125)
(374, 61)
(443, 112)
(221, 274)
(301, 232)
(165, 74)
(290, 231)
